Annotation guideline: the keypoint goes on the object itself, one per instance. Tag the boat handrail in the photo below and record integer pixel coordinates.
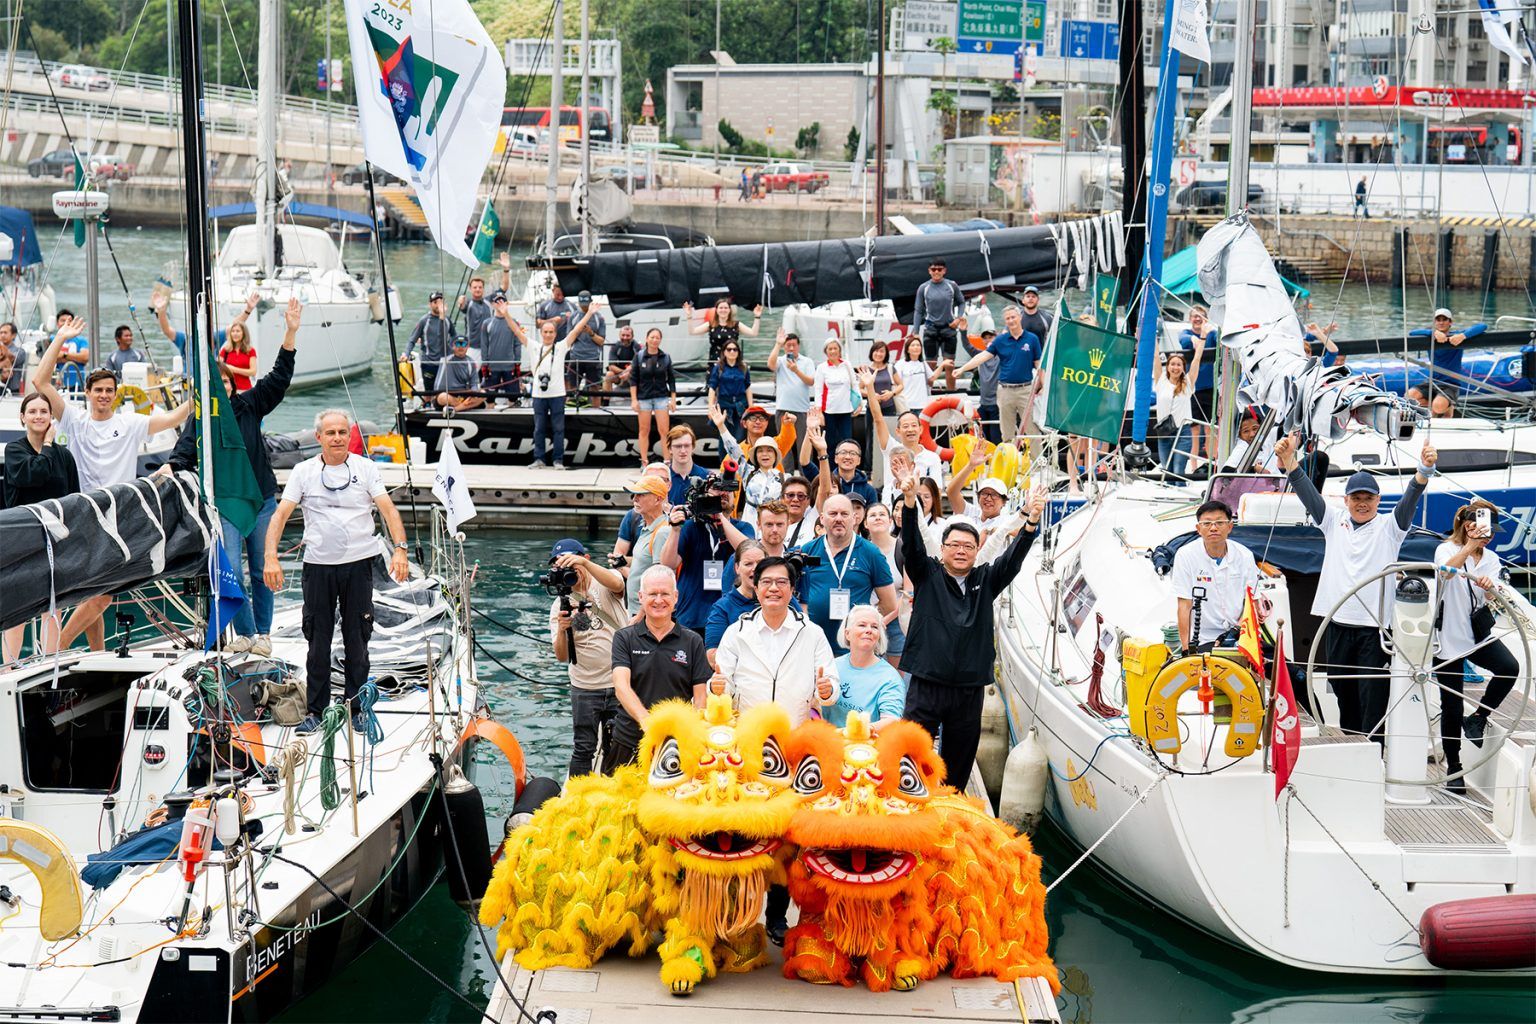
(1531, 321)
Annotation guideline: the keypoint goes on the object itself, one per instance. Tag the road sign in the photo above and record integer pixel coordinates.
(989, 26)
(644, 133)
(1090, 40)
(1185, 170)
(1034, 21)
(923, 21)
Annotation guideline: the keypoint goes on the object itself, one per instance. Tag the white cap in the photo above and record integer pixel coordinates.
(992, 483)
(1442, 311)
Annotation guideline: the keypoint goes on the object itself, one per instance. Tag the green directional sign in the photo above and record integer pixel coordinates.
(990, 26)
(1034, 21)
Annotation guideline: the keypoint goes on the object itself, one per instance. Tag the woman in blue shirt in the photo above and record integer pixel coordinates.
(730, 386)
(866, 681)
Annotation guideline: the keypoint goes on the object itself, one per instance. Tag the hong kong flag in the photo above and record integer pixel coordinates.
(1285, 723)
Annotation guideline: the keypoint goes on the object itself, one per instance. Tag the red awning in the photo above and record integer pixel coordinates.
(1337, 98)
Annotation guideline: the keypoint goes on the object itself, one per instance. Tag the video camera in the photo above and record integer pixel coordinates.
(798, 562)
(705, 500)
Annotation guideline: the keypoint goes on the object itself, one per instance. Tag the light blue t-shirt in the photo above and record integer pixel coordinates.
(878, 691)
(791, 394)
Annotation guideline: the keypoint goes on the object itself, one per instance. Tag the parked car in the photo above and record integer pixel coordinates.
(58, 164)
(358, 175)
(61, 164)
(620, 176)
(109, 167)
(1212, 196)
(78, 76)
(793, 177)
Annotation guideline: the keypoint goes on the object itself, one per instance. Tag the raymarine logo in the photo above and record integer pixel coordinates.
(1431, 98)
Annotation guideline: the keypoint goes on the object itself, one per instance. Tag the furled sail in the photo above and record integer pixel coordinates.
(839, 270)
(103, 541)
(1249, 301)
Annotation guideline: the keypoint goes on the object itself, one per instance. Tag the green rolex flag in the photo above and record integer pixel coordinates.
(79, 186)
(1088, 380)
(235, 490)
(1105, 290)
(485, 234)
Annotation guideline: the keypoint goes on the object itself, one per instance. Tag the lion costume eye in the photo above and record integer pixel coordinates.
(910, 781)
(775, 767)
(808, 777)
(667, 769)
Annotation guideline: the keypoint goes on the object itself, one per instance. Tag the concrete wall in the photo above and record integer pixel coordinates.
(788, 99)
(1367, 250)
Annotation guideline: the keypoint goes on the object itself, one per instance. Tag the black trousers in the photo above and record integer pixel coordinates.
(622, 744)
(349, 585)
(777, 908)
(1494, 657)
(952, 716)
(1355, 652)
(938, 341)
(592, 712)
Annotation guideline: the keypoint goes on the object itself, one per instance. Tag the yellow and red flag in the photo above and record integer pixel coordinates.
(1248, 633)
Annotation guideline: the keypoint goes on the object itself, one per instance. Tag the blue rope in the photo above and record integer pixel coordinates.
(1092, 757)
(372, 731)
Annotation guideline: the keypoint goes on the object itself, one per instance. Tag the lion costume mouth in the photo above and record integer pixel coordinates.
(860, 865)
(726, 846)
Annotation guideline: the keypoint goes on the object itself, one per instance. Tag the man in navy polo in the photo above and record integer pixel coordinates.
(1017, 351)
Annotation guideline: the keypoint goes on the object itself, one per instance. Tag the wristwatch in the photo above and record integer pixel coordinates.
(400, 545)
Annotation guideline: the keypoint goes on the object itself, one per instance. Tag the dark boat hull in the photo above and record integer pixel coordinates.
(594, 438)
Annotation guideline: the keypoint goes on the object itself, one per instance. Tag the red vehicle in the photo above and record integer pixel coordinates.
(793, 177)
(571, 122)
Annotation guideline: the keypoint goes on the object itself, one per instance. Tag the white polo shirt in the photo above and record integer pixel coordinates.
(547, 361)
(1225, 581)
(1350, 554)
(338, 508)
(106, 451)
(765, 664)
(1460, 597)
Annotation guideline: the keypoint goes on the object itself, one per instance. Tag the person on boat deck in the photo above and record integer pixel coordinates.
(950, 642)
(1214, 573)
(938, 313)
(680, 443)
(1447, 352)
(1017, 351)
(502, 352)
(125, 353)
(161, 304)
(722, 326)
(479, 313)
(588, 620)
(435, 335)
(10, 340)
(730, 386)
(1469, 571)
(697, 550)
(105, 445)
(775, 653)
(237, 354)
(740, 599)
(653, 392)
(74, 353)
(803, 522)
(793, 375)
(1034, 319)
(1442, 408)
(842, 475)
(1317, 332)
(1173, 385)
(1360, 192)
(253, 622)
(1203, 403)
(654, 659)
(908, 437)
(547, 387)
(851, 570)
(866, 682)
(458, 377)
(584, 366)
(37, 468)
(834, 395)
(886, 383)
(1357, 543)
(12, 383)
(337, 492)
(557, 310)
(917, 376)
(620, 359)
(1417, 397)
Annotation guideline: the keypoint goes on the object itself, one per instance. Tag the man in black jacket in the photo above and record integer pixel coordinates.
(253, 623)
(950, 642)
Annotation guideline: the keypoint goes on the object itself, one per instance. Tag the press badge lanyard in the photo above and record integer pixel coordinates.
(840, 599)
(714, 568)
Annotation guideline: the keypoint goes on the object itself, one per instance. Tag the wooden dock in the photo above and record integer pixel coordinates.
(620, 990)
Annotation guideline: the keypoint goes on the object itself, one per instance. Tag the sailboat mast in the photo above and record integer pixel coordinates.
(586, 128)
(879, 124)
(1158, 175)
(199, 270)
(268, 82)
(1242, 107)
(1133, 148)
(556, 92)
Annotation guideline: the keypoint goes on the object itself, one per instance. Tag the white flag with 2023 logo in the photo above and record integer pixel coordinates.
(430, 87)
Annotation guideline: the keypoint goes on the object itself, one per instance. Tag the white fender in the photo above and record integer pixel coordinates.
(992, 750)
(1024, 780)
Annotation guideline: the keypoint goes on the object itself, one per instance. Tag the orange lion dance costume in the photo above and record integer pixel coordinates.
(898, 877)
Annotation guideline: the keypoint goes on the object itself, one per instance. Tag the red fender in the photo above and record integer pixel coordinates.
(935, 407)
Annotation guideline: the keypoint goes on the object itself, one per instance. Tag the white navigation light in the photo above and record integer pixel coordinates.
(74, 204)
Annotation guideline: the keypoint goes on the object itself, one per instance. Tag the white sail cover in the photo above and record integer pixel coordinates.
(1257, 320)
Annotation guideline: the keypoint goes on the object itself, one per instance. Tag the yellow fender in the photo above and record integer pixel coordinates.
(1005, 464)
(41, 853)
(1231, 678)
(962, 444)
(135, 398)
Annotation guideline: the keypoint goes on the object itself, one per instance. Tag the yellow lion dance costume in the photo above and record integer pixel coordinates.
(898, 878)
(686, 844)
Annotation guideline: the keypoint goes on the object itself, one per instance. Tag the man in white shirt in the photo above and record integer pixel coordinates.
(338, 492)
(105, 445)
(774, 653)
(1357, 544)
(1211, 576)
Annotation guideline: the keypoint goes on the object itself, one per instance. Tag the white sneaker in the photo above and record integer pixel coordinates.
(502, 403)
(559, 465)
(260, 645)
(239, 645)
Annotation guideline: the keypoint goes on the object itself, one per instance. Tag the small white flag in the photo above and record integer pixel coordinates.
(430, 85)
(1494, 21)
(450, 487)
(1189, 33)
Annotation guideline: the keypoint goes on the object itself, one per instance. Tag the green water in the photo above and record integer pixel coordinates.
(1121, 961)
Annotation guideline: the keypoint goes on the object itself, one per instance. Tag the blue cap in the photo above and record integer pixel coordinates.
(1362, 482)
(568, 546)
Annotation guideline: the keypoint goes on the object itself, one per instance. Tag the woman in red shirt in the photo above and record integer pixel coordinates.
(237, 356)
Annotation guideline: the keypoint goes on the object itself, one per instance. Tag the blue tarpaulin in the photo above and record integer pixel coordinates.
(17, 224)
(294, 209)
(1181, 277)
(146, 846)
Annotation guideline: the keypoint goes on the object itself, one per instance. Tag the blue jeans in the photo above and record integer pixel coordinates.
(991, 428)
(1181, 443)
(255, 616)
(549, 419)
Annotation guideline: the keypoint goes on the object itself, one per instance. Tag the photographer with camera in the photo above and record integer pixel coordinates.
(843, 569)
(653, 660)
(587, 611)
(703, 537)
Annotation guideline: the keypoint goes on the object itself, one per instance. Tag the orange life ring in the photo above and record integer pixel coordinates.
(502, 737)
(935, 407)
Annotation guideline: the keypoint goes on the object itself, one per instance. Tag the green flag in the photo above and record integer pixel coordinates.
(1088, 380)
(234, 486)
(79, 186)
(1105, 290)
(485, 234)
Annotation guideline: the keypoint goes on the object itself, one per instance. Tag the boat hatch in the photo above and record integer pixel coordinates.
(72, 735)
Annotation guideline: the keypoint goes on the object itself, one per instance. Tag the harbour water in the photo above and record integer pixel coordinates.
(1121, 960)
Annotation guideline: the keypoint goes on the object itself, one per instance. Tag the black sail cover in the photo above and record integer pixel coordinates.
(103, 541)
(817, 273)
